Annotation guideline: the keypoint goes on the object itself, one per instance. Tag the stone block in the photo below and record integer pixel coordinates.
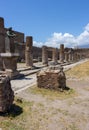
(6, 94)
(51, 78)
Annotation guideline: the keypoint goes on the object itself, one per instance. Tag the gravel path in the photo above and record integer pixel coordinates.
(29, 80)
(23, 83)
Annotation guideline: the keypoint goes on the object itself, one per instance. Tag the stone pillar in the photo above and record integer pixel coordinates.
(75, 57)
(70, 55)
(2, 41)
(61, 53)
(44, 55)
(55, 55)
(28, 51)
(78, 55)
(1, 22)
(66, 56)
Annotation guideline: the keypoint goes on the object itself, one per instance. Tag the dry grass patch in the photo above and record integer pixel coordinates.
(16, 118)
(52, 94)
(79, 71)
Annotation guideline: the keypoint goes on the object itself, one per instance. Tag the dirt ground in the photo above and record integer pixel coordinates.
(42, 109)
(62, 114)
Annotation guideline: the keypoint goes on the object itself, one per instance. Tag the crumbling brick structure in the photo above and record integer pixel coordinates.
(52, 78)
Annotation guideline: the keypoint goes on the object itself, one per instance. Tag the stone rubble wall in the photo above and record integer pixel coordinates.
(6, 94)
(51, 78)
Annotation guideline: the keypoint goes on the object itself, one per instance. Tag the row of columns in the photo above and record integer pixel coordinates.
(69, 56)
(64, 56)
(9, 46)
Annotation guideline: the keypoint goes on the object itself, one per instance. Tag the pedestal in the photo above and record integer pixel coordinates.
(10, 64)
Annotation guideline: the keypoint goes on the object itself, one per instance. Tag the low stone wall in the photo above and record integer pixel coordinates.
(6, 94)
(51, 78)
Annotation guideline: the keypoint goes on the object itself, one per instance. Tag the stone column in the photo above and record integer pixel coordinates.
(2, 41)
(61, 53)
(44, 55)
(28, 51)
(55, 55)
(70, 56)
(66, 56)
(78, 55)
(75, 57)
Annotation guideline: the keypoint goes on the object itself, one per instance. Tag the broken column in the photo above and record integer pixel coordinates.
(2, 41)
(55, 55)
(44, 55)
(6, 94)
(28, 51)
(61, 53)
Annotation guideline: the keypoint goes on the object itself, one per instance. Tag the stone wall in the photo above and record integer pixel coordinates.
(19, 36)
(6, 94)
(51, 78)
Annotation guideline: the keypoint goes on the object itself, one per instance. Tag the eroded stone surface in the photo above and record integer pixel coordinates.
(53, 78)
(6, 94)
(44, 55)
(28, 51)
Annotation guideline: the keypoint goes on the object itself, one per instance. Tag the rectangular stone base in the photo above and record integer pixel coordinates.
(12, 74)
(51, 78)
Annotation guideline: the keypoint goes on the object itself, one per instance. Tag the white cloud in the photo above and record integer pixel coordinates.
(67, 39)
(87, 27)
(59, 38)
(83, 38)
(38, 44)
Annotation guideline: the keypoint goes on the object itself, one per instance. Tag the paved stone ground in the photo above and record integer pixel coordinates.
(30, 75)
(23, 83)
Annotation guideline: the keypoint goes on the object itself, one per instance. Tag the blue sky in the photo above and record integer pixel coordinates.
(50, 22)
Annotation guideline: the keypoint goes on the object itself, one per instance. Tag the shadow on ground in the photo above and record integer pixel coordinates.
(67, 88)
(14, 111)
